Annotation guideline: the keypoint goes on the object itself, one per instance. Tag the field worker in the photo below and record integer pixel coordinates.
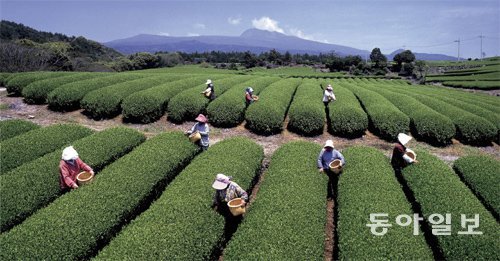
(248, 96)
(225, 191)
(209, 92)
(327, 155)
(69, 167)
(399, 160)
(201, 126)
(328, 95)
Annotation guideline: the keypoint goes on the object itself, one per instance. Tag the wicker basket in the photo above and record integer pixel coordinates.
(411, 154)
(195, 137)
(255, 97)
(336, 166)
(236, 206)
(84, 177)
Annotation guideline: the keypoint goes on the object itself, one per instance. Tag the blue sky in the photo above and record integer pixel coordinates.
(422, 26)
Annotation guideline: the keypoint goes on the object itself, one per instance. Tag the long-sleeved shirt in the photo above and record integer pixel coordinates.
(202, 128)
(399, 159)
(210, 88)
(327, 94)
(231, 192)
(326, 157)
(68, 172)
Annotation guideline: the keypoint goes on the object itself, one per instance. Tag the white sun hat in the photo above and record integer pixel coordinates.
(69, 153)
(329, 87)
(329, 143)
(221, 181)
(403, 138)
(208, 81)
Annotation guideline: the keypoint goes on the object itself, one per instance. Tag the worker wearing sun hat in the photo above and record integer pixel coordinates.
(201, 126)
(328, 95)
(399, 159)
(327, 155)
(226, 190)
(69, 167)
(209, 91)
(248, 96)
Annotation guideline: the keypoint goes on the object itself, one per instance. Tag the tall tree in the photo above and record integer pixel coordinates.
(378, 58)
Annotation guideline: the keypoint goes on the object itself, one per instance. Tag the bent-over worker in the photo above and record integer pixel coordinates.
(248, 96)
(399, 159)
(201, 126)
(69, 167)
(209, 91)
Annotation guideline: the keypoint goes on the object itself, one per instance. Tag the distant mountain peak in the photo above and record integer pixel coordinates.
(253, 32)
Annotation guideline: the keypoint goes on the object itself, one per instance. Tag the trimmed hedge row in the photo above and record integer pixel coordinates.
(482, 85)
(307, 112)
(188, 104)
(76, 224)
(481, 174)
(266, 116)
(368, 186)
(36, 92)
(67, 97)
(26, 147)
(386, 119)
(426, 124)
(4, 77)
(229, 109)
(287, 219)
(347, 117)
(439, 191)
(17, 82)
(190, 229)
(471, 129)
(105, 102)
(35, 184)
(149, 105)
(11, 128)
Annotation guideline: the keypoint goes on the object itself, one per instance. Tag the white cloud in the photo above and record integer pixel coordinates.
(234, 21)
(266, 23)
(299, 33)
(193, 34)
(199, 26)
(163, 34)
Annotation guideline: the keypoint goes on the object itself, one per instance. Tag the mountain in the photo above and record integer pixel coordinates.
(253, 40)
(424, 56)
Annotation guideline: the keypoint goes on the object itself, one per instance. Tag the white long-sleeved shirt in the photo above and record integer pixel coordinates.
(327, 94)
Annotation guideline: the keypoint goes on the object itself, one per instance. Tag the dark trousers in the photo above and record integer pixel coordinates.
(231, 223)
(332, 183)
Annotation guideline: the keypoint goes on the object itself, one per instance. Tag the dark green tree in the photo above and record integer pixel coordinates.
(379, 60)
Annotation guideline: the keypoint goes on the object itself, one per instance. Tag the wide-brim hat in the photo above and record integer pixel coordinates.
(208, 81)
(403, 138)
(201, 118)
(221, 181)
(69, 153)
(329, 143)
(329, 87)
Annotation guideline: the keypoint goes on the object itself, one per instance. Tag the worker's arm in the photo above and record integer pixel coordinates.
(242, 193)
(320, 160)
(84, 166)
(204, 133)
(192, 129)
(340, 157)
(407, 159)
(66, 177)
(333, 96)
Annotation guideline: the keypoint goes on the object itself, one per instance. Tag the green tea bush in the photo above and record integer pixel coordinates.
(12, 128)
(385, 118)
(190, 229)
(307, 112)
(186, 105)
(471, 129)
(4, 77)
(149, 105)
(36, 143)
(229, 109)
(36, 92)
(439, 191)
(287, 219)
(367, 186)
(105, 102)
(67, 97)
(481, 173)
(18, 81)
(266, 116)
(76, 224)
(41, 176)
(347, 117)
(426, 124)
(484, 85)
